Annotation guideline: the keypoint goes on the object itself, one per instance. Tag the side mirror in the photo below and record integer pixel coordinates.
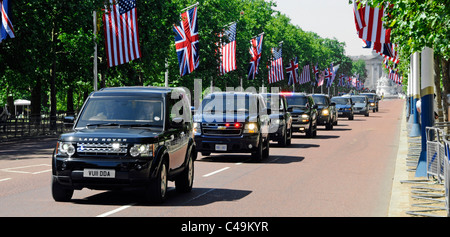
(290, 109)
(333, 104)
(315, 106)
(69, 120)
(268, 111)
(177, 122)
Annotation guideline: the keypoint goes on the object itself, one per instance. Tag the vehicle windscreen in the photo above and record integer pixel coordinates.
(359, 99)
(371, 97)
(341, 101)
(274, 102)
(320, 100)
(297, 101)
(122, 111)
(229, 103)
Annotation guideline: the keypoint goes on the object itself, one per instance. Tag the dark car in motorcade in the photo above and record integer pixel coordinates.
(304, 113)
(280, 129)
(360, 104)
(233, 122)
(344, 106)
(373, 101)
(326, 110)
(127, 137)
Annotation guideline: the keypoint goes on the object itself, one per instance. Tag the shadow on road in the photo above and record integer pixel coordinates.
(197, 197)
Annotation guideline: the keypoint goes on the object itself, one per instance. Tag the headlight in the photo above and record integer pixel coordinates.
(65, 148)
(276, 121)
(197, 128)
(251, 128)
(325, 112)
(145, 150)
(372, 104)
(305, 118)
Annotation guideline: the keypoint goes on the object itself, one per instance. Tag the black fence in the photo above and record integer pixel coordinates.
(33, 126)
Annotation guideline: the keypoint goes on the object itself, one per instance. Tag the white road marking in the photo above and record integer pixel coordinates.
(215, 172)
(17, 169)
(116, 210)
(4, 179)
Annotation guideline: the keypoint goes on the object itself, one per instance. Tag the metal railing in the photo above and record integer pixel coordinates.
(438, 157)
(32, 126)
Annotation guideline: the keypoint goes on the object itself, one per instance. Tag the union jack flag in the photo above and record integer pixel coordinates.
(255, 53)
(276, 66)
(6, 29)
(186, 42)
(292, 70)
(316, 73)
(228, 51)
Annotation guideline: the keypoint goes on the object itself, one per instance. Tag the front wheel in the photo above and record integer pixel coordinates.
(59, 192)
(157, 189)
(185, 180)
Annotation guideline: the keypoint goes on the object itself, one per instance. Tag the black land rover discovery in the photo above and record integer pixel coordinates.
(129, 136)
(233, 122)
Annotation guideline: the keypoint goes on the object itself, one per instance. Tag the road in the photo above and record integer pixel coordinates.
(344, 172)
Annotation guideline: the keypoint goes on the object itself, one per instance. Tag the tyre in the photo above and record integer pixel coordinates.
(156, 191)
(283, 141)
(289, 139)
(257, 156)
(184, 182)
(265, 154)
(61, 193)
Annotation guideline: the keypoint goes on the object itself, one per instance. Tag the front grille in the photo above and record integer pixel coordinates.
(101, 149)
(221, 129)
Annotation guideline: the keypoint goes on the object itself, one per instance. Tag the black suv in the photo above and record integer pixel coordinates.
(373, 101)
(327, 114)
(232, 122)
(128, 136)
(304, 113)
(280, 119)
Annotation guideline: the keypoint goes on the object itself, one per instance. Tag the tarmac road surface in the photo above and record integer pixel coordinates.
(344, 172)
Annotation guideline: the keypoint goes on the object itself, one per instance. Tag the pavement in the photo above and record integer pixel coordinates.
(413, 196)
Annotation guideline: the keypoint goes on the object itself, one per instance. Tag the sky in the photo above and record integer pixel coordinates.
(328, 18)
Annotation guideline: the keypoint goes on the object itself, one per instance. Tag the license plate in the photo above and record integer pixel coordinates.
(97, 173)
(340, 113)
(221, 147)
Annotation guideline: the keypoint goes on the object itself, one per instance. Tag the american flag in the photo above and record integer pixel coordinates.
(121, 32)
(276, 66)
(369, 24)
(255, 53)
(388, 50)
(228, 51)
(305, 76)
(6, 28)
(292, 71)
(186, 42)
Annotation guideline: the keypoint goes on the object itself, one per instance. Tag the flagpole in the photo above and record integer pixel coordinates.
(191, 6)
(95, 50)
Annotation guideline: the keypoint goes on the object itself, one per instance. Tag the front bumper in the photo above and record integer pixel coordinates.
(323, 119)
(276, 132)
(128, 172)
(360, 111)
(344, 113)
(245, 143)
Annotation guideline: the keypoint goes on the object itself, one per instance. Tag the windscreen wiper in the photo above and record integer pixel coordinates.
(102, 124)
